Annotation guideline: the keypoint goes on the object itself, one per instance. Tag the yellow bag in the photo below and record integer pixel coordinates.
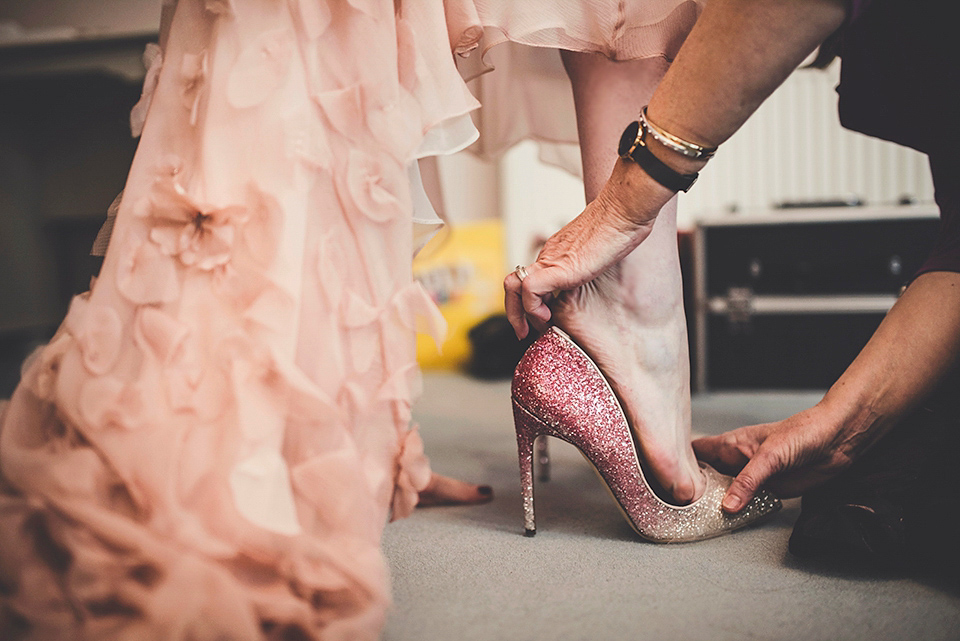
(462, 269)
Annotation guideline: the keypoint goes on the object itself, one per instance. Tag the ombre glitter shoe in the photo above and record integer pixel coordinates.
(559, 391)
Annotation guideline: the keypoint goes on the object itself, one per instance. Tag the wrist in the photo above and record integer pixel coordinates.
(633, 195)
(853, 417)
(675, 161)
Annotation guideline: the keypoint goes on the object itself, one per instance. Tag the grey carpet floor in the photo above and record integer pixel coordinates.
(465, 574)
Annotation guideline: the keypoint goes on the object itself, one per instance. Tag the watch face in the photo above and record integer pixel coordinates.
(628, 138)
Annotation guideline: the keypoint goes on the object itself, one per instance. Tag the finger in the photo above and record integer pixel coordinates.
(536, 290)
(750, 479)
(709, 448)
(538, 325)
(513, 306)
(722, 452)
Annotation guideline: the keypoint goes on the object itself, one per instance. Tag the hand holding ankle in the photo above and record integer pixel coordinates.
(609, 228)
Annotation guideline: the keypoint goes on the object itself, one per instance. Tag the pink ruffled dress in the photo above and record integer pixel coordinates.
(211, 444)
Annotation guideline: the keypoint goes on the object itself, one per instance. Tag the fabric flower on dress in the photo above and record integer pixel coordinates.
(262, 493)
(42, 368)
(110, 402)
(362, 319)
(261, 226)
(268, 388)
(369, 190)
(419, 312)
(396, 123)
(199, 234)
(268, 391)
(463, 26)
(413, 307)
(271, 315)
(307, 139)
(191, 382)
(160, 335)
(240, 283)
(402, 385)
(153, 61)
(343, 108)
(193, 75)
(98, 331)
(413, 474)
(144, 275)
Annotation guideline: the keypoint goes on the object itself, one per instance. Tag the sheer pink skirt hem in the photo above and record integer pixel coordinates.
(509, 53)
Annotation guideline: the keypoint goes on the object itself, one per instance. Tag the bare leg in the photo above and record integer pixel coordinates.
(630, 320)
(443, 490)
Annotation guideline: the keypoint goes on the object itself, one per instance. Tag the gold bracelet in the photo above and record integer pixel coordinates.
(675, 143)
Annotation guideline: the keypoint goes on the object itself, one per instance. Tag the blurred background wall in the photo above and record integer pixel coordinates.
(69, 73)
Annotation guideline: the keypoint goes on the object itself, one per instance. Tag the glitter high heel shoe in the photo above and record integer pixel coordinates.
(559, 391)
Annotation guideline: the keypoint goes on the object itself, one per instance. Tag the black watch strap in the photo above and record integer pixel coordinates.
(633, 147)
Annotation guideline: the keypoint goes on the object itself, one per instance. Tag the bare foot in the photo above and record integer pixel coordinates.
(443, 490)
(631, 322)
(630, 319)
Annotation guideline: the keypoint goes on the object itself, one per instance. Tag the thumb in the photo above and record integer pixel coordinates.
(750, 479)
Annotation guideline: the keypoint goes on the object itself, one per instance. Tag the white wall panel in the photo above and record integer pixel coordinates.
(794, 149)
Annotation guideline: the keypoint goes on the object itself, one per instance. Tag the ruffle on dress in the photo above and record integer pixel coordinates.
(509, 50)
(210, 445)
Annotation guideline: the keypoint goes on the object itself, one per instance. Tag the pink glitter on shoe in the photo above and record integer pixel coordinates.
(559, 391)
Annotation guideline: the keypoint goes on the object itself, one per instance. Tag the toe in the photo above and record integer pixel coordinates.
(443, 490)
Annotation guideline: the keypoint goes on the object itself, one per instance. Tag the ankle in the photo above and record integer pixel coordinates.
(649, 301)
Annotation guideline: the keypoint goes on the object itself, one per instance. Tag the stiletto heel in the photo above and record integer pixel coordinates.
(527, 432)
(543, 460)
(559, 391)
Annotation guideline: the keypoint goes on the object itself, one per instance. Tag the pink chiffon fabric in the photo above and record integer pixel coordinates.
(526, 94)
(211, 443)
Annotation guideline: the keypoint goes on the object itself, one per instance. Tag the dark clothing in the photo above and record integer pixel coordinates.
(900, 81)
(900, 73)
(945, 256)
(895, 507)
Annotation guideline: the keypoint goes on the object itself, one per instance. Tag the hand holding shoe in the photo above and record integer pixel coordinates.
(788, 456)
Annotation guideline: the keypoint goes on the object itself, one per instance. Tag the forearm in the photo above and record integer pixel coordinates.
(915, 346)
(737, 54)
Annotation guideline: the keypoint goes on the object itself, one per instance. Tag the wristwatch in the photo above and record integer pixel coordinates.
(633, 147)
